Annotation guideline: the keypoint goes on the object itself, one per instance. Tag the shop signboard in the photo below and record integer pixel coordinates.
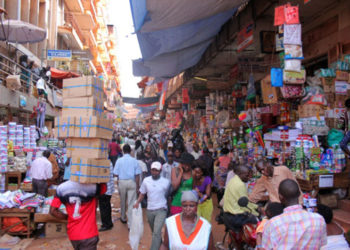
(245, 37)
(59, 55)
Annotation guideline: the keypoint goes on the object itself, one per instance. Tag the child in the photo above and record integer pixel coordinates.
(272, 209)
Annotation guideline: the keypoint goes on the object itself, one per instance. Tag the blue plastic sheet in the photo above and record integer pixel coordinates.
(153, 44)
(179, 45)
(168, 65)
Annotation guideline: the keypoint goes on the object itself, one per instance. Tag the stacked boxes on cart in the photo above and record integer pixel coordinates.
(85, 129)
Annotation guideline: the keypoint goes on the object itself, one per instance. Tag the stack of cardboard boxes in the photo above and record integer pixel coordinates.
(85, 129)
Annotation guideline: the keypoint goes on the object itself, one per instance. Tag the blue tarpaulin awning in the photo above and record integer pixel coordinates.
(173, 35)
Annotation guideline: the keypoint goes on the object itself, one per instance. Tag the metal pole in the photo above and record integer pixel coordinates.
(18, 9)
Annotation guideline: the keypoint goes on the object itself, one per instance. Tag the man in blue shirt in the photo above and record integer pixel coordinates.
(128, 172)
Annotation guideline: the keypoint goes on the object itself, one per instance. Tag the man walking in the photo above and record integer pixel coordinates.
(128, 172)
(114, 151)
(80, 202)
(104, 202)
(295, 228)
(41, 171)
(156, 188)
(167, 167)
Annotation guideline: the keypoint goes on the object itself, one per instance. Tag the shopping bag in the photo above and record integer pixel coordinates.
(136, 228)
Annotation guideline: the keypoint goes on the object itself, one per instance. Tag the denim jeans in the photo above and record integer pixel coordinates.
(156, 219)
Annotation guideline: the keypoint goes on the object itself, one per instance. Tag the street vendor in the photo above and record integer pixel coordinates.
(269, 182)
(345, 120)
(41, 171)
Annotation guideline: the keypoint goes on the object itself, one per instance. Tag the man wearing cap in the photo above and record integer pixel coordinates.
(187, 230)
(157, 188)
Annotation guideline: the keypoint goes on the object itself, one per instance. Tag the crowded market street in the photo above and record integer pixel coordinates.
(175, 125)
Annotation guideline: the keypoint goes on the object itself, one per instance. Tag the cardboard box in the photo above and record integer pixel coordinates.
(87, 147)
(328, 84)
(291, 77)
(82, 106)
(310, 110)
(84, 86)
(340, 101)
(269, 93)
(93, 127)
(329, 200)
(90, 170)
(342, 75)
(13, 82)
(53, 230)
(64, 126)
(330, 97)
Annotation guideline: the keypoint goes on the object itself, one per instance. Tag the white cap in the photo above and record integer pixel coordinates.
(156, 165)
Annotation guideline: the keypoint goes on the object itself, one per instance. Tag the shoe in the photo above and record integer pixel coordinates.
(123, 221)
(102, 229)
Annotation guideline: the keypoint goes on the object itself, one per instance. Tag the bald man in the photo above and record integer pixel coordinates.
(235, 216)
(295, 228)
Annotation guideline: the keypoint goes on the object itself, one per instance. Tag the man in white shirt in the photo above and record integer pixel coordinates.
(41, 171)
(167, 167)
(157, 189)
(196, 153)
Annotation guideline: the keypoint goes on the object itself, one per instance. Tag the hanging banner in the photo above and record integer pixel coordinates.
(245, 37)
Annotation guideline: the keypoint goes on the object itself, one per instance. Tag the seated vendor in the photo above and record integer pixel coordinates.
(235, 216)
(269, 182)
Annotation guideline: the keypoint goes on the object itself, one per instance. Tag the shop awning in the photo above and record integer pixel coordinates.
(141, 101)
(60, 74)
(173, 35)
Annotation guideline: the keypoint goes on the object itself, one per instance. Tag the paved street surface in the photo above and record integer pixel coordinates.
(117, 238)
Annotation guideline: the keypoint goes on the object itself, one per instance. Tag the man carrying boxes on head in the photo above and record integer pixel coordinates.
(87, 132)
(81, 202)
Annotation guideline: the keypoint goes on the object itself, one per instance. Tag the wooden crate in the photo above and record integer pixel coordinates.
(305, 185)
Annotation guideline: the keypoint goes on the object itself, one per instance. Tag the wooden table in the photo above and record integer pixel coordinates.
(43, 218)
(23, 214)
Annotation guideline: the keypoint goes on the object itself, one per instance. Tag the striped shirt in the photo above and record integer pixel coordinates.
(295, 229)
(110, 183)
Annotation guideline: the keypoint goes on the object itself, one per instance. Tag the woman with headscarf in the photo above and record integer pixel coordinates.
(188, 230)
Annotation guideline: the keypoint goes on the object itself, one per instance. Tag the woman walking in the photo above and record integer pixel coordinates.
(221, 172)
(202, 185)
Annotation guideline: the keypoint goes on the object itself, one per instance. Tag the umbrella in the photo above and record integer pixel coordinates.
(17, 31)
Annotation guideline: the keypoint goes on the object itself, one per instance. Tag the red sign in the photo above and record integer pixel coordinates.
(245, 37)
(286, 14)
(185, 96)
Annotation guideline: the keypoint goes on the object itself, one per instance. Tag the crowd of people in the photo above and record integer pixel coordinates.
(177, 185)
